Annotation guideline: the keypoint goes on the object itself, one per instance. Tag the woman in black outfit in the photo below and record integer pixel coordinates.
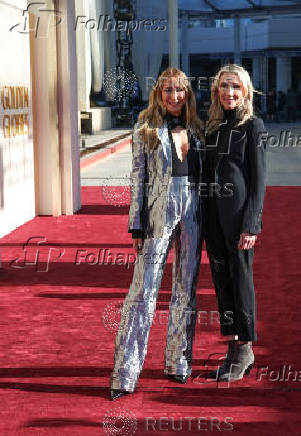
(234, 172)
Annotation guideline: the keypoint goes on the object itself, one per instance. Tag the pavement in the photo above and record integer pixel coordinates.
(103, 139)
(110, 165)
(283, 160)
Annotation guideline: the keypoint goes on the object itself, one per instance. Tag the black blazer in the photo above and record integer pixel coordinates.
(235, 162)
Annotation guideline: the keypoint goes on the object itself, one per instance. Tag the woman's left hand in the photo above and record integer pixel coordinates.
(246, 241)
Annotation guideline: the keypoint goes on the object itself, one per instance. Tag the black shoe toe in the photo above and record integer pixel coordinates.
(179, 378)
(115, 394)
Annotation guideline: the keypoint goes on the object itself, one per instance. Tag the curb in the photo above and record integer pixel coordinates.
(101, 155)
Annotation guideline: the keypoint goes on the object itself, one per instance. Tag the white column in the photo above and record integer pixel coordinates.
(97, 8)
(284, 73)
(68, 110)
(237, 57)
(83, 48)
(43, 53)
(109, 46)
(173, 33)
(185, 45)
(54, 92)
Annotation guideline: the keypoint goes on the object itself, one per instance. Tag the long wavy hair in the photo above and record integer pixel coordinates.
(245, 109)
(152, 117)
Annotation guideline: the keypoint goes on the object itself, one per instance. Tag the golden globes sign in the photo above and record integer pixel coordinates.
(14, 98)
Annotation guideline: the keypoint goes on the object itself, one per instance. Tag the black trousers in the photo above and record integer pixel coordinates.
(232, 273)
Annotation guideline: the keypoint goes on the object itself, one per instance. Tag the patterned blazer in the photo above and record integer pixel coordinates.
(151, 173)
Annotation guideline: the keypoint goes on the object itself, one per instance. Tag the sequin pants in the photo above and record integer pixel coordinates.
(182, 227)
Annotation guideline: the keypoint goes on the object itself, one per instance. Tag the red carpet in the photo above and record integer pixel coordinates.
(58, 321)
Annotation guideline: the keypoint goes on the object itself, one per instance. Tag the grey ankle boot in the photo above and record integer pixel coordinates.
(241, 363)
(225, 368)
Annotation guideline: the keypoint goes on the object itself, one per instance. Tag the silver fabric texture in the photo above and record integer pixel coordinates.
(151, 173)
(180, 224)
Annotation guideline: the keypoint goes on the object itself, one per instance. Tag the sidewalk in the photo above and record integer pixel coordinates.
(89, 143)
(97, 147)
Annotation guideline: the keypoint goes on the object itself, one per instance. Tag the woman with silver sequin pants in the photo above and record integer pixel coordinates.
(165, 209)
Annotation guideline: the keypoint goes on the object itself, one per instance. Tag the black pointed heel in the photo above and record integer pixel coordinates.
(248, 370)
(179, 378)
(115, 394)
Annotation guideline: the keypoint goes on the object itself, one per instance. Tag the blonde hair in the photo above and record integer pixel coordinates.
(244, 111)
(152, 117)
